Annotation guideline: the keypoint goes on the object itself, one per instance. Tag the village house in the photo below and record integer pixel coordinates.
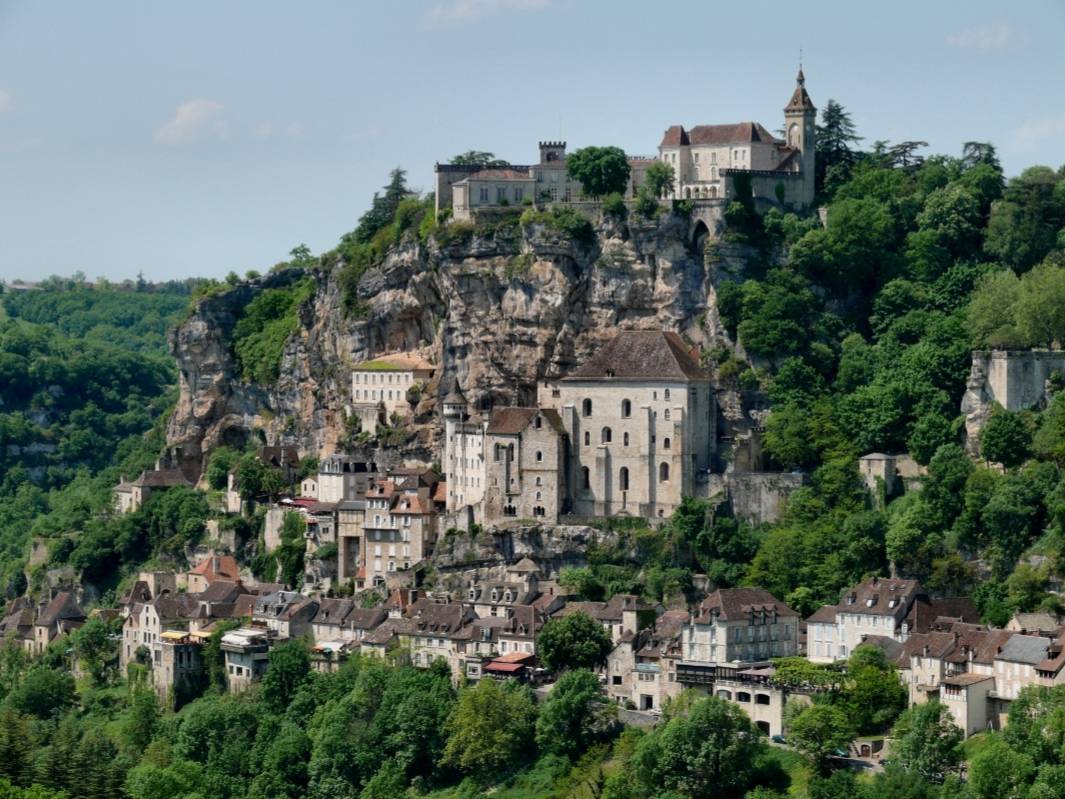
(59, 617)
(180, 670)
(399, 526)
(132, 496)
(17, 624)
(211, 568)
(246, 651)
(741, 625)
(525, 467)
(287, 614)
(143, 627)
(386, 386)
(623, 613)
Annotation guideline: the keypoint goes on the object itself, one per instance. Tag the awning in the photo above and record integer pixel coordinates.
(506, 668)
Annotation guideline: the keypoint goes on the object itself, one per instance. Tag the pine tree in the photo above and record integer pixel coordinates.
(836, 136)
(16, 758)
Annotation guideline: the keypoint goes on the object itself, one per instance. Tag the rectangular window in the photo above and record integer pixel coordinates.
(501, 194)
(484, 194)
(519, 194)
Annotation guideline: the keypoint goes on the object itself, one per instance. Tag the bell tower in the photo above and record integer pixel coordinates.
(800, 116)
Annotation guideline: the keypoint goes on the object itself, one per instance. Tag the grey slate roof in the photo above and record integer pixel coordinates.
(1029, 649)
(641, 355)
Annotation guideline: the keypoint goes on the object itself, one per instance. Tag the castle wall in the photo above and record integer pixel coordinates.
(759, 497)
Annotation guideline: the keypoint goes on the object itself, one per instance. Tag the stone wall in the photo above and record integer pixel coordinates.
(1016, 380)
(759, 497)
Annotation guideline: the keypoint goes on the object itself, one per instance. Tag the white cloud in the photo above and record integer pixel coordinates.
(6, 104)
(988, 38)
(1036, 131)
(192, 120)
(467, 10)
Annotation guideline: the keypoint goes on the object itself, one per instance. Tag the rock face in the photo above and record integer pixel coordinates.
(499, 308)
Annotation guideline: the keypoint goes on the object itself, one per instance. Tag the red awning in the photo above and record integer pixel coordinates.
(506, 668)
(514, 657)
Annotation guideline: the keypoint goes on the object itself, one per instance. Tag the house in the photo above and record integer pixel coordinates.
(17, 624)
(1042, 623)
(399, 525)
(143, 627)
(341, 477)
(525, 467)
(181, 670)
(387, 386)
(211, 568)
(656, 652)
(624, 613)
(246, 651)
(132, 496)
(877, 606)
(285, 459)
(59, 617)
(741, 625)
(285, 613)
(434, 624)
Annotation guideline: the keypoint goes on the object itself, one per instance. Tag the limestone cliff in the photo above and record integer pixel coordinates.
(499, 307)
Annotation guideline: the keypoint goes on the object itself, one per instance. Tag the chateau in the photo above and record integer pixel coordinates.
(628, 433)
(707, 160)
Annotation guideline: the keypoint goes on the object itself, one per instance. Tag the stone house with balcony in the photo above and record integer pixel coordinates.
(246, 651)
(741, 625)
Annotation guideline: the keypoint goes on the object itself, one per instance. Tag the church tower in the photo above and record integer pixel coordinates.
(800, 116)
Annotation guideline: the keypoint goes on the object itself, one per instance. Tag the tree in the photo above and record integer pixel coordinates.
(873, 694)
(1006, 438)
(998, 771)
(927, 741)
(478, 158)
(141, 720)
(94, 647)
(659, 179)
(975, 153)
(576, 641)
(601, 170)
(382, 208)
(714, 750)
(43, 692)
(1049, 439)
(818, 731)
(574, 715)
(1040, 308)
(287, 669)
(16, 752)
(292, 550)
(490, 728)
(991, 318)
(219, 465)
(835, 136)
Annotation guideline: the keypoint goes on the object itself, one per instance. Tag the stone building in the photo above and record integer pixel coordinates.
(180, 669)
(464, 453)
(708, 160)
(399, 526)
(60, 616)
(741, 625)
(132, 496)
(640, 418)
(525, 464)
(467, 189)
(385, 386)
(246, 651)
(341, 477)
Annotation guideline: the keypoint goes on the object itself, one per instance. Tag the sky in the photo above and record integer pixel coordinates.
(194, 138)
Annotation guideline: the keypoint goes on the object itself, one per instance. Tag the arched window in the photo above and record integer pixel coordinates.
(587, 438)
(663, 472)
(665, 394)
(586, 407)
(713, 192)
(539, 496)
(539, 481)
(539, 456)
(625, 439)
(665, 443)
(605, 436)
(586, 477)
(623, 478)
(626, 408)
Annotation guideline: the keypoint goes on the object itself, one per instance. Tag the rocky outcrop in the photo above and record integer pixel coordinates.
(499, 309)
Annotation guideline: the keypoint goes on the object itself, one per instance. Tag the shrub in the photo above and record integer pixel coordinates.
(260, 334)
(614, 205)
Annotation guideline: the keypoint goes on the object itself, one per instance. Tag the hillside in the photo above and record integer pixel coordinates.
(827, 338)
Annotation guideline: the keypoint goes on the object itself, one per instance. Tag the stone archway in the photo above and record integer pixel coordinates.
(700, 233)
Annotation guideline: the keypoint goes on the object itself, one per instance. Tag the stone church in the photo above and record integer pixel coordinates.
(629, 432)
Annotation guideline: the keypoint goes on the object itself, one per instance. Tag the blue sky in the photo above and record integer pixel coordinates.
(193, 138)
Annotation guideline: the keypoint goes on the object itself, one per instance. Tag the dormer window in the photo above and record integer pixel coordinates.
(486, 634)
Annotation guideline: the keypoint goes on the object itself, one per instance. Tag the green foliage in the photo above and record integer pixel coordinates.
(43, 692)
(1006, 438)
(659, 179)
(220, 463)
(614, 205)
(600, 170)
(267, 322)
(288, 668)
(574, 715)
(818, 731)
(713, 750)
(562, 220)
(647, 204)
(489, 729)
(575, 641)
